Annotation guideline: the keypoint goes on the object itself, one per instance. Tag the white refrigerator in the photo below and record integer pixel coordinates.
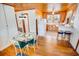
(8, 27)
(41, 27)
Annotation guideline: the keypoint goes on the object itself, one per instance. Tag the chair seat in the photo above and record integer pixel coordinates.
(68, 33)
(22, 44)
(61, 32)
(31, 42)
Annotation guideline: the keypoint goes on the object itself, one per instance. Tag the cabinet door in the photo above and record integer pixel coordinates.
(3, 29)
(11, 20)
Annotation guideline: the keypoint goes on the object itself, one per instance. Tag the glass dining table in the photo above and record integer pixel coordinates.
(24, 43)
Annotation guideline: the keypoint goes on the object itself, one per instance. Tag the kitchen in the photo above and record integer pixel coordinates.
(30, 29)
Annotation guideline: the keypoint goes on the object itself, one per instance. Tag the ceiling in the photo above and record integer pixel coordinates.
(27, 6)
(40, 6)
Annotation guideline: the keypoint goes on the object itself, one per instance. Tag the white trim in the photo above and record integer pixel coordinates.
(1, 49)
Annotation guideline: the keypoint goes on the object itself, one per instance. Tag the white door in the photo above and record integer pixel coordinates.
(41, 27)
(3, 29)
(11, 20)
(26, 25)
(32, 21)
(78, 49)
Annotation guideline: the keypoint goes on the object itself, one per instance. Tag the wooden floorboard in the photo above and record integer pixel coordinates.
(45, 47)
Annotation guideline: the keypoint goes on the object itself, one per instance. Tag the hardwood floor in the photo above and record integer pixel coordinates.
(45, 47)
(59, 48)
(10, 51)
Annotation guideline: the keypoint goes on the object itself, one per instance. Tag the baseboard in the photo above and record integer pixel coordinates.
(1, 49)
(73, 48)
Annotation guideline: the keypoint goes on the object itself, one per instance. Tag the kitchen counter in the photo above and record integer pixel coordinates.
(65, 28)
(60, 27)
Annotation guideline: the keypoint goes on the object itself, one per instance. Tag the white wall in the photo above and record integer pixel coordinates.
(3, 29)
(75, 34)
(32, 20)
(55, 6)
(8, 27)
(11, 20)
(41, 27)
(19, 13)
(78, 49)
